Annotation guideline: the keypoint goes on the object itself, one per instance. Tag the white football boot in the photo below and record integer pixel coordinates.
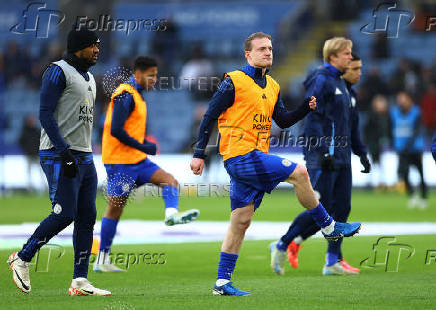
(20, 272)
(413, 202)
(82, 287)
(422, 204)
(277, 259)
(333, 270)
(182, 217)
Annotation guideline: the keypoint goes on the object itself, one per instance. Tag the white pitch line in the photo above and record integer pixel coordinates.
(152, 232)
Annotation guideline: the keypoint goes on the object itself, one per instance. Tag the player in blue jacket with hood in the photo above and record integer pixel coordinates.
(332, 133)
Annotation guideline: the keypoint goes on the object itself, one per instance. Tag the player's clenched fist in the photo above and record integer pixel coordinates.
(197, 165)
(312, 103)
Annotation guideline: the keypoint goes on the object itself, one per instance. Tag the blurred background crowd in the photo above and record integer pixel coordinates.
(205, 39)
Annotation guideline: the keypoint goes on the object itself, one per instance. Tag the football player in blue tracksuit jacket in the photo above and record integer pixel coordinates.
(408, 142)
(332, 133)
(433, 147)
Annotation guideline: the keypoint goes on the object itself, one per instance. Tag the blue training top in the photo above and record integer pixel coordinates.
(333, 127)
(406, 130)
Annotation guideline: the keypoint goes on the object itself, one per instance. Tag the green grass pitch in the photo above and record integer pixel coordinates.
(186, 278)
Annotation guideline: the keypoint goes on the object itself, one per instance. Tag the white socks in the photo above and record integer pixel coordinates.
(221, 282)
(328, 229)
(170, 211)
(298, 240)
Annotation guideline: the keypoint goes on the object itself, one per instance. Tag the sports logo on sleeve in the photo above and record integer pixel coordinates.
(286, 163)
(57, 209)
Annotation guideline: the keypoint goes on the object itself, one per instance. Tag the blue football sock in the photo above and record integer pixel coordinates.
(226, 265)
(107, 233)
(170, 195)
(281, 245)
(310, 230)
(335, 248)
(331, 259)
(299, 224)
(320, 216)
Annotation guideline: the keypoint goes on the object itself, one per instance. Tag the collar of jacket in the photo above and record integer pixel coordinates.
(332, 69)
(253, 72)
(80, 64)
(135, 84)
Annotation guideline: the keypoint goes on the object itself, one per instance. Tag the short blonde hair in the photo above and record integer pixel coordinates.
(334, 45)
(256, 35)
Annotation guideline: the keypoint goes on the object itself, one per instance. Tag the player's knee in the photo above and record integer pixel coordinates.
(300, 174)
(85, 222)
(244, 223)
(244, 220)
(172, 181)
(175, 182)
(92, 215)
(114, 211)
(62, 219)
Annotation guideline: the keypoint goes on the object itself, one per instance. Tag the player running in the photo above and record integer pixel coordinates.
(244, 104)
(125, 150)
(329, 169)
(66, 113)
